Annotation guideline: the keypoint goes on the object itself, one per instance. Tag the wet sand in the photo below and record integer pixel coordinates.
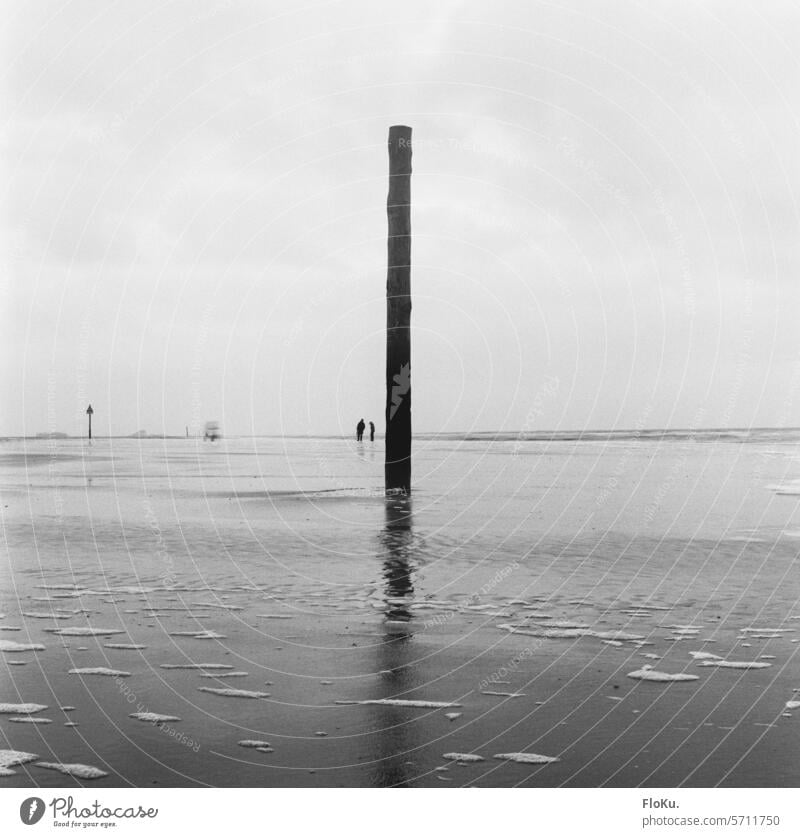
(524, 582)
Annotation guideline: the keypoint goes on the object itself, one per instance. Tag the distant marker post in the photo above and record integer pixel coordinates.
(397, 467)
(90, 412)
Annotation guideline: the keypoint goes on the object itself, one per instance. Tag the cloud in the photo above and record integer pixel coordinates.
(601, 194)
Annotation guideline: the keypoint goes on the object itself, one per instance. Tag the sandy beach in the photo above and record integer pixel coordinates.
(264, 591)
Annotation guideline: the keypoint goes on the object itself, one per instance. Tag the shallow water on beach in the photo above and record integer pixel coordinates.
(525, 579)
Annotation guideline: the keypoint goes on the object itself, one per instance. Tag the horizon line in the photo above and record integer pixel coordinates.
(56, 435)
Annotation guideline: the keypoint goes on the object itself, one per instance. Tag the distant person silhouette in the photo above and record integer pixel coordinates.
(360, 430)
(372, 431)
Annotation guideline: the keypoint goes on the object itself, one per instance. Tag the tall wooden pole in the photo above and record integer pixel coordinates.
(397, 468)
(89, 412)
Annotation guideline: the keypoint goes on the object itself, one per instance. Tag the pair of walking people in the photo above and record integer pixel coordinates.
(360, 427)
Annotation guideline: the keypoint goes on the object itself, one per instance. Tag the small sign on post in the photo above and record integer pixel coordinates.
(89, 412)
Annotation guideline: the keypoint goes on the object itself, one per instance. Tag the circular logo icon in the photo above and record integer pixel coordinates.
(31, 810)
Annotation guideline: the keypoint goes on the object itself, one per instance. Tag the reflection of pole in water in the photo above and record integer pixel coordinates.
(394, 739)
(397, 566)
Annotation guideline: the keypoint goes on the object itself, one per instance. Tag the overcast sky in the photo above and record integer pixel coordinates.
(605, 213)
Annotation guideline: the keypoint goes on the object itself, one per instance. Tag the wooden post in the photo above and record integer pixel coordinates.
(397, 468)
(89, 412)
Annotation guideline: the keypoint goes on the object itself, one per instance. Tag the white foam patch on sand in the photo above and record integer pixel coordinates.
(153, 717)
(219, 675)
(414, 704)
(70, 724)
(766, 630)
(733, 664)
(204, 666)
(648, 673)
(10, 647)
(84, 631)
(703, 655)
(99, 670)
(199, 634)
(238, 693)
(554, 633)
(254, 744)
(21, 708)
(124, 646)
(463, 757)
(526, 758)
(451, 716)
(28, 719)
(38, 614)
(79, 771)
(59, 586)
(652, 607)
(566, 624)
(572, 633)
(652, 656)
(273, 616)
(761, 636)
(793, 704)
(12, 758)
